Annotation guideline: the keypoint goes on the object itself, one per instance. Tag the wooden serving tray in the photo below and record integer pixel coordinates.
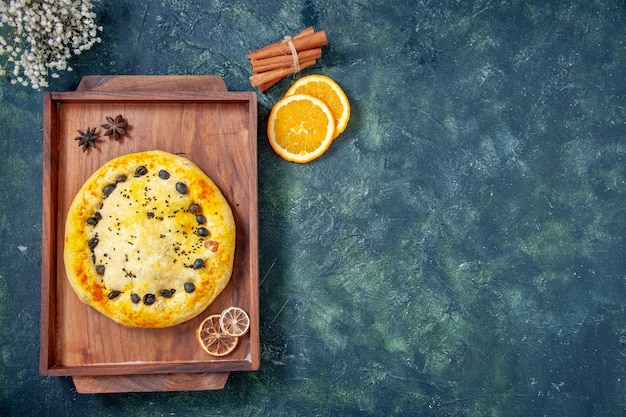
(194, 116)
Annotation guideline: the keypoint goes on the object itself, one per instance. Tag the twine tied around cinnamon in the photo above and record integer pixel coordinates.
(290, 55)
(294, 53)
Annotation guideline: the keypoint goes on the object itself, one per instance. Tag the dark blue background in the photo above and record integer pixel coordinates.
(459, 250)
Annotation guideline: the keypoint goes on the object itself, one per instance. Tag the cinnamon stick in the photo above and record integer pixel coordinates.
(273, 62)
(300, 43)
(266, 79)
(267, 85)
(283, 61)
(306, 31)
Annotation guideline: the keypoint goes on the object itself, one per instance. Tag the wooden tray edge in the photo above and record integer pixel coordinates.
(150, 383)
(48, 222)
(255, 338)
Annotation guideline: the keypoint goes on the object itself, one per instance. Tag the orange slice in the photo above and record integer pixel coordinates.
(211, 338)
(300, 128)
(234, 321)
(327, 90)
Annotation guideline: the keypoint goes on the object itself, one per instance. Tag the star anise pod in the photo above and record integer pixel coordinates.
(115, 128)
(87, 138)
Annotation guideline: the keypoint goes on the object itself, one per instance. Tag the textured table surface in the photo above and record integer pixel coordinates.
(459, 250)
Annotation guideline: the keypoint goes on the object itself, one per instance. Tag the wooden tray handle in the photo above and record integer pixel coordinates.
(169, 83)
(150, 383)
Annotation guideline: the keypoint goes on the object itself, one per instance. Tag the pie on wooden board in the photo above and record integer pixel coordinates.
(149, 240)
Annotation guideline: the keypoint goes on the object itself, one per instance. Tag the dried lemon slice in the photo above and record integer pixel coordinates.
(212, 339)
(234, 321)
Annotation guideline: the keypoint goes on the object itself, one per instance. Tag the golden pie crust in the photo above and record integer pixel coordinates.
(149, 240)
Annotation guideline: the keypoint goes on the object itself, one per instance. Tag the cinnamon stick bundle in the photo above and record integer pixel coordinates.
(273, 62)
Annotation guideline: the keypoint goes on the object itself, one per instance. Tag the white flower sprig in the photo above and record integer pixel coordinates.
(44, 35)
